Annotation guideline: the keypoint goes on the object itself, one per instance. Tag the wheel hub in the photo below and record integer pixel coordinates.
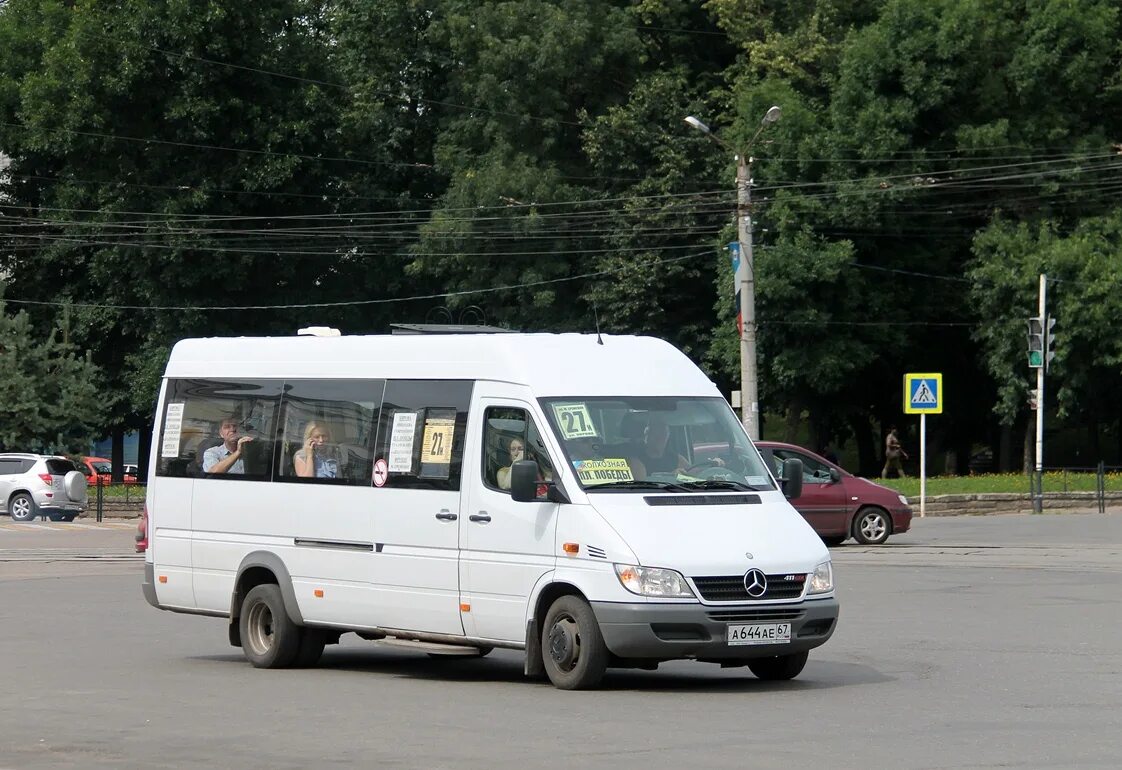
(564, 646)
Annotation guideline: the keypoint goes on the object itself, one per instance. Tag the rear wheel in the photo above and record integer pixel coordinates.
(573, 648)
(778, 668)
(872, 526)
(22, 507)
(269, 638)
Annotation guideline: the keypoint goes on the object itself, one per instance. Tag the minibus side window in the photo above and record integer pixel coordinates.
(421, 430)
(198, 413)
(327, 430)
(509, 433)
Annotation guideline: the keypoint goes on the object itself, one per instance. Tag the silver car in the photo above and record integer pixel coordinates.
(40, 485)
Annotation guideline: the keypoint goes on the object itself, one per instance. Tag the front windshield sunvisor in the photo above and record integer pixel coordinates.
(643, 443)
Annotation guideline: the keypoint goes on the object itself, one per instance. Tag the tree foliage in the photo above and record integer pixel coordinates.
(51, 399)
(180, 169)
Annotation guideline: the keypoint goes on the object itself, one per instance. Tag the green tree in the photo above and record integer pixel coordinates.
(51, 396)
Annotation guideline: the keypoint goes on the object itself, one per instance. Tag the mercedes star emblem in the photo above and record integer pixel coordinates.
(755, 583)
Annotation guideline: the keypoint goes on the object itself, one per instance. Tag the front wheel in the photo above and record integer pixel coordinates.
(872, 526)
(573, 648)
(269, 638)
(778, 668)
(22, 507)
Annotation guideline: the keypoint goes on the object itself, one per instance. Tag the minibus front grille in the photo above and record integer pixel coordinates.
(732, 588)
(754, 616)
(702, 499)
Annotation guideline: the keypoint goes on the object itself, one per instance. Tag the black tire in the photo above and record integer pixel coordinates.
(312, 642)
(832, 540)
(871, 526)
(778, 668)
(68, 517)
(269, 638)
(573, 648)
(22, 507)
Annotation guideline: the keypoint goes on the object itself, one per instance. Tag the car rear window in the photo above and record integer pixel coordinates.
(60, 467)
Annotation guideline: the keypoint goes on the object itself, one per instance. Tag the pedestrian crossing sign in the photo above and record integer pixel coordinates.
(923, 393)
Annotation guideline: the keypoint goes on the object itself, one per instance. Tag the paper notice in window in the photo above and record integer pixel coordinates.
(173, 429)
(401, 442)
(592, 472)
(437, 447)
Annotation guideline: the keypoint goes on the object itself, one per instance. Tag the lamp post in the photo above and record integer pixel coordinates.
(745, 276)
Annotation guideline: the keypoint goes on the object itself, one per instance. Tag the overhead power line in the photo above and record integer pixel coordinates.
(359, 303)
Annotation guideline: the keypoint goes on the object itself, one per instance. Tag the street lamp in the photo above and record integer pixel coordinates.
(745, 275)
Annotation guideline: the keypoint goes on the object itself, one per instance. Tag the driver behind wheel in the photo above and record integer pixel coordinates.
(655, 453)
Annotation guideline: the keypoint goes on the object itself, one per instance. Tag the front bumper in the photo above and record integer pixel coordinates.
(901, 520)
(674, 631)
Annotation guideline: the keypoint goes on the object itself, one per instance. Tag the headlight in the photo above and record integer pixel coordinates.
(903, 500)
(822, 580)
(650, 581)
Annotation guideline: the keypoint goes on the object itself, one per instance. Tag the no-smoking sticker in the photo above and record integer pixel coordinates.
(381, 472)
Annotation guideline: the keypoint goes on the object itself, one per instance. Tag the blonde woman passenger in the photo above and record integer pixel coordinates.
(315, 459)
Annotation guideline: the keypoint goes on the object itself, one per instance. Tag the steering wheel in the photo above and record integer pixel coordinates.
(713, 472)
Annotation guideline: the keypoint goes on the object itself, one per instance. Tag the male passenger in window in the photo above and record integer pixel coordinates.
(227, 456)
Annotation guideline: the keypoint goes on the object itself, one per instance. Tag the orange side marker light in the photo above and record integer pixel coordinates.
(571, 548)
(318, 593)
(163, 578)
(465, 607)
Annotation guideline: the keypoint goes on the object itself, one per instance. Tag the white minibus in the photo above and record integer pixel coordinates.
(591, 500)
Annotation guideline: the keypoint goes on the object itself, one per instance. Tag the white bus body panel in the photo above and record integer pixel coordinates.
(380, 557)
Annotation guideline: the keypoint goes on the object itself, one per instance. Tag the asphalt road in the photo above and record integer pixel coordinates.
(969, 642)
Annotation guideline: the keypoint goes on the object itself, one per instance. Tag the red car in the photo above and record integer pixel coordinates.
(99, 470)
(838, 504)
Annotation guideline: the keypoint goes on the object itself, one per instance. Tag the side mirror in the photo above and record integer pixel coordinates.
(835, 475)
(793, 483)
(525, 483)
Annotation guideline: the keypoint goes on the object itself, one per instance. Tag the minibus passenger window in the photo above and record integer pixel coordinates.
(327, 431)
(219, 429)
(421, 430)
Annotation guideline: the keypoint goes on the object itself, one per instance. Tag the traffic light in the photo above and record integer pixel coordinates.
(1041, 342)
(1035, 343)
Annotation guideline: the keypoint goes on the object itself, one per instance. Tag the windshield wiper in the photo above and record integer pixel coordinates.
(722, 484)
(636, 485)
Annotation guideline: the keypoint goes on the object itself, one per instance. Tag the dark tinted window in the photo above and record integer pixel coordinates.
(59, 467)
(327, 431)
(199, 414)
(421, 431)
(10, 467)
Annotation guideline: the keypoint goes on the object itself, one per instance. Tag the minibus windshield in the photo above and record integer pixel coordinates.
(679, 444)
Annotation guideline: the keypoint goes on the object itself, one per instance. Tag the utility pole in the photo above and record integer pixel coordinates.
(746, 281)
(1038, 502)
(745, 278)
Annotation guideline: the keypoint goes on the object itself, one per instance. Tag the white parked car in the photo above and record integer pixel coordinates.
(32, 485)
